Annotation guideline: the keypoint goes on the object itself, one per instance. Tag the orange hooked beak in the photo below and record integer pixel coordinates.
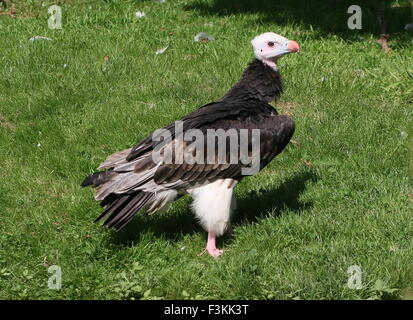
(293, 46)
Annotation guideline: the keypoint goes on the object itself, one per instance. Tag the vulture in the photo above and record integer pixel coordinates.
(204, 154)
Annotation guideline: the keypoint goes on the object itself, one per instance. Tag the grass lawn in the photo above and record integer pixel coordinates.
(339, 196)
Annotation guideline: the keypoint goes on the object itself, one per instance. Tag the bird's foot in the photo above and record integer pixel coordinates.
(214, 252)
(211, 248)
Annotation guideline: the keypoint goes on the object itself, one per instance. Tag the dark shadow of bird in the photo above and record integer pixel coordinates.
(258, 204)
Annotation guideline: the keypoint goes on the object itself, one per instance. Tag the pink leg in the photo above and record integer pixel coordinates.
(211, 245)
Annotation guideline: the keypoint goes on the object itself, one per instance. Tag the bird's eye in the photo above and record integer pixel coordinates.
(270, 43)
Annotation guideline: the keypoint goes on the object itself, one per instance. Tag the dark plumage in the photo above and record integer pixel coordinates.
(133, 181)
(259, 82)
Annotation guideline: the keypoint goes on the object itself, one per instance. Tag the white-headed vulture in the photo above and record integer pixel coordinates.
(155, 172)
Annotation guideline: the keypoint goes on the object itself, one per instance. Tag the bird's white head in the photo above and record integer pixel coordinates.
(269, 47)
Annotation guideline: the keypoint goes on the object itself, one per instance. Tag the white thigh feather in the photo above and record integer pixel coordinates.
(213, 205)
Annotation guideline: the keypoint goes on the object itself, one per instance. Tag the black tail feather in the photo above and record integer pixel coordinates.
(112, 208)
(128, 213)
(120, 209)
(97, 178)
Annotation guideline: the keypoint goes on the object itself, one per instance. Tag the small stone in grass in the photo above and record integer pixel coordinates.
(403, 134)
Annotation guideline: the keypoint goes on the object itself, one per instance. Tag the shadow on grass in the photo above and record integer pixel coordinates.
(255, 206)
(260, 204)
(323, 16)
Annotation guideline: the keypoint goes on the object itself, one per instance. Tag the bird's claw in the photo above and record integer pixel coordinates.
(214, 252)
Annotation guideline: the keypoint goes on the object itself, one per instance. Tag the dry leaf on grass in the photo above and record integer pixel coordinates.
(7, 124)
(307, 163)
(294, 142)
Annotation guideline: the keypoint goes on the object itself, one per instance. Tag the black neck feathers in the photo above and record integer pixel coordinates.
(258, 82)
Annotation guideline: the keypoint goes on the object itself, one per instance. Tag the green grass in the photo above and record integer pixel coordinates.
(340, 196)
